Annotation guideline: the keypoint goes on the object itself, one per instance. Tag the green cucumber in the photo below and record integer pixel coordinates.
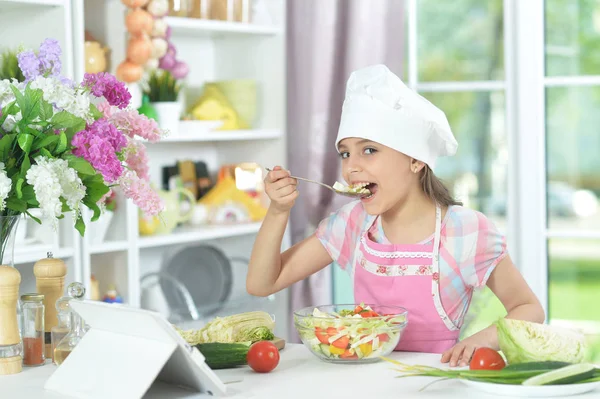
(564, 375)
(542, 366)
(224, 355)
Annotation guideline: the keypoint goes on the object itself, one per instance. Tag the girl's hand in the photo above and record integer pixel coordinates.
(281, 189)
(461, 353)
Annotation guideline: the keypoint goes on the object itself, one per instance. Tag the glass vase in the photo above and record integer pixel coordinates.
(11, 348)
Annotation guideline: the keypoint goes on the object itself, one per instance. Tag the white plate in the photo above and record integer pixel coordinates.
(523, 391)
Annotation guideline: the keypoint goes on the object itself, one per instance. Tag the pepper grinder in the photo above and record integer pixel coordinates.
(11, 358)
(50, 281)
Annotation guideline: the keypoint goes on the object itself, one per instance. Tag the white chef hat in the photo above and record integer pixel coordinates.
(381, 108)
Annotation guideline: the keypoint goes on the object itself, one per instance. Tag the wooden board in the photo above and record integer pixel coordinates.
(279, 343)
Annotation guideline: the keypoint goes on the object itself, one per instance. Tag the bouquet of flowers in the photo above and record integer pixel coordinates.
(65, 144)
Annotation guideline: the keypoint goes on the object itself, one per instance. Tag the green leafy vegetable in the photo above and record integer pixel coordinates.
(523, 341)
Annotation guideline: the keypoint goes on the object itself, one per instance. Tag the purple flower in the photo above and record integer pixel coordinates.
(99, 144)
(49, 57)
(106, 85)
(29, 64)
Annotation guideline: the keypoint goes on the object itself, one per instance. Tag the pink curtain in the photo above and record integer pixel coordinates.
(326, 41)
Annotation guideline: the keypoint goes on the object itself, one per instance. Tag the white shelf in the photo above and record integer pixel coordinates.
(224, 135)
(203, 27)
(187, 234)
(6, 5)
(109, 246)
(33, 253)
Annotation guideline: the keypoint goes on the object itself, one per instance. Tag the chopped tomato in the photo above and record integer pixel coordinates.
(383, 337)
(321, 335)
(369, 313)
(358, 309)
(331, 331)
(341, 342)
(349, 354)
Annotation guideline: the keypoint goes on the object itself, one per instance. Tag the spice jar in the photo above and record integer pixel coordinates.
(11, 359)
(33, 329)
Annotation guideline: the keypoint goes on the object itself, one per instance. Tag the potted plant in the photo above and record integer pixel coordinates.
(162, 89)
(9, 66)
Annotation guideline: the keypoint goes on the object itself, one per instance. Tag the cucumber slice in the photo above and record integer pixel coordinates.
(564, 375)
(534, 366)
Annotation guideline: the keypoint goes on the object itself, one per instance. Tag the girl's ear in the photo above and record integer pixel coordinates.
(416, 166)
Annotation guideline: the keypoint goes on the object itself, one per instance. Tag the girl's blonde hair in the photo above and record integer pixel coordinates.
(436, 190)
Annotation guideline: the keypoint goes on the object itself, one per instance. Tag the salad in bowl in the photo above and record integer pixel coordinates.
(351, 333)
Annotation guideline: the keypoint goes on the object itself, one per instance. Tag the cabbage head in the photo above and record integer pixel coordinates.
(523, 341)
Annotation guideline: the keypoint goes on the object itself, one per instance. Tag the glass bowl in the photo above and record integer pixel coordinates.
(337, 334)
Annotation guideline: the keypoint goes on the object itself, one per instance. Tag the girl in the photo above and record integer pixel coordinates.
(409, 243)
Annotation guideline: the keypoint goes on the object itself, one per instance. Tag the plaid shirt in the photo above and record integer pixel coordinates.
(470, 248)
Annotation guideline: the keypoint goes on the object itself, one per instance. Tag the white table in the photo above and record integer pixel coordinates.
(298, 375)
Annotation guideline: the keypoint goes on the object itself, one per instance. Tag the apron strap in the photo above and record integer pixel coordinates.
(435, 283)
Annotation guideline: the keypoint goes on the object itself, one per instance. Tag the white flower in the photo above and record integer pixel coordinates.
(6, 94)
(5, 185)
(11, 121)
(63, 97)
(47, 189)
(72, 187)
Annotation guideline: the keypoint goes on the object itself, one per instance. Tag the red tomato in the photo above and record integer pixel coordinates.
(322, 336)
(341, 342)
(263, 356)
(486, 359)
(358, 309)
(348, 355)
(331, 331)
(383, 337)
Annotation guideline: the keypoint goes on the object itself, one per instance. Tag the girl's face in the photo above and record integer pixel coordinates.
(387, 173)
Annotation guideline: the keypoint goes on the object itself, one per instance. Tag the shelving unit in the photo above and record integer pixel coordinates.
(214, 50)
(200, 27)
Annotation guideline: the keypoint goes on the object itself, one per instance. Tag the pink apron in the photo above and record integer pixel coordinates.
(407, 276)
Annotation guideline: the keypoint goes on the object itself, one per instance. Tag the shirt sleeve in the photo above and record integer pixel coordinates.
(340, 233)
(487, 250)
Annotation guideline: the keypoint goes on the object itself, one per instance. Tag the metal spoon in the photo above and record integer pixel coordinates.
(344, 193)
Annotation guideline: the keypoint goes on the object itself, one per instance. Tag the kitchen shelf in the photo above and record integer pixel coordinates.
(109, 246)
(6, 5)
(203, 27)
(33, 253)
(182, 235)
(224, 135)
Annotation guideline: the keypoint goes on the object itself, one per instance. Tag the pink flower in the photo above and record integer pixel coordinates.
(106, 85)
(423, 270)
(381, 269)
(141, 193)
(137, 160)
(436, 276)
(131, 123)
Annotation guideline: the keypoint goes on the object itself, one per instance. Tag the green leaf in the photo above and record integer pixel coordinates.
(16, 204)
(6, 143)
(62, 143)
(80, 226)
(25, 165)
(25, 142)
(33, 97)
(21, 100)
(46, 153)
(46, 110)
(80, 165)
(95, 188)
(96, 113)
(33, 217)
(29, 195)
(45, 141)
(65, 120)
(96, 209)
(19, 186)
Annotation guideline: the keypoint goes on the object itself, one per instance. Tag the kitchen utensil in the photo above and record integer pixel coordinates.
(344, 193)
(206, 273)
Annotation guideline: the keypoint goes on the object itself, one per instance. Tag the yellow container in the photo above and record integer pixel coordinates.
(242, 95)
